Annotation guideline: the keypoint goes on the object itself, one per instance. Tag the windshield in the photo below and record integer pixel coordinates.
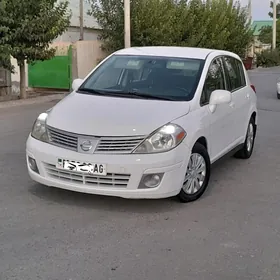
(147, 77)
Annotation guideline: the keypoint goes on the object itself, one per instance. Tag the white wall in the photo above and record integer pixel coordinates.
(73, 35)
(89, 21)
(86, 55)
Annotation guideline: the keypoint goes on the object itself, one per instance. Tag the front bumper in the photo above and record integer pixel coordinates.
(278, 87)
(130, 168)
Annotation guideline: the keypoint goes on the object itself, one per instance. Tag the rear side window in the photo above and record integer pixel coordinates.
(235, 73)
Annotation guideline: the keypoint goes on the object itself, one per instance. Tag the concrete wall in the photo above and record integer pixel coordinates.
(73, 35)
(89, 21)
(86, 55)
(61, 47)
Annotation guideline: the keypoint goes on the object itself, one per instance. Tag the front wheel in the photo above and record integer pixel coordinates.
(197, 175)
(278, 95)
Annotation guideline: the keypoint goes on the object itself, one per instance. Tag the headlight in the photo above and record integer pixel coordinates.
(39, 130)
(162, 140)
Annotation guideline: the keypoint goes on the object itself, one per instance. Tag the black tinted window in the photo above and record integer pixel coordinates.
(241, 71)
(110, 80)
(235, 73)
(160, 77)
(215, 80)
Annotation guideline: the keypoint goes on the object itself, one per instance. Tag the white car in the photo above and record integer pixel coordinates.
(278, 88)
(147, 122)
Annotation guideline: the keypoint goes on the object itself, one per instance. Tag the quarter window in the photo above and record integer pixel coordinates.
(241, 71)
(215, 80)
(235, 73)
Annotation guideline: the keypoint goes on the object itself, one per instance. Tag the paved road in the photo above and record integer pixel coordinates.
(233, 232)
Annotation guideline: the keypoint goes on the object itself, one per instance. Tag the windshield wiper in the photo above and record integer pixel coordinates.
(116, 93)
(143, 95)
(92, 91)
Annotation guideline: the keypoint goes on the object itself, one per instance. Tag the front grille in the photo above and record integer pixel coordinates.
(106, 145)
(118, 144)
(63, 139)
(110, 180)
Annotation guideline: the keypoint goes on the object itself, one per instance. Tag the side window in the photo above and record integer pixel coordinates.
(215, 80)
(235, 73)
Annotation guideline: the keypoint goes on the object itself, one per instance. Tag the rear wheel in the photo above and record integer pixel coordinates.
(197, 175)
(247, 149)
(278, 95)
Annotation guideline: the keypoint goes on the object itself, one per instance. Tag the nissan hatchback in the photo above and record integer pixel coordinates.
(146, 123)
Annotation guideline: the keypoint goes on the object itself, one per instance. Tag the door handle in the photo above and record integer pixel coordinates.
(232, 105)
(248, 96)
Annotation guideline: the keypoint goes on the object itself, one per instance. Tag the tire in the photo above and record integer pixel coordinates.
(246, 151)
(192, 192)
(278, 95)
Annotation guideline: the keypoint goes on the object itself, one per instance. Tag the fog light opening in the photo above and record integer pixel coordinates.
(33, 165)
(150, 181)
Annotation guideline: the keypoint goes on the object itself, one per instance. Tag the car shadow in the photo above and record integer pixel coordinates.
(223, 165)
(107, 203)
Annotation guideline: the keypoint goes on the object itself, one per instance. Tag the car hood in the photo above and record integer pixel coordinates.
(113, 116)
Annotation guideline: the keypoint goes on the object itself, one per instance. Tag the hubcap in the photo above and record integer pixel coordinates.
(195, 175)
(250, 137)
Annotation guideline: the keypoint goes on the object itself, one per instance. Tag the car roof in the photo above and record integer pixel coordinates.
(180, 52)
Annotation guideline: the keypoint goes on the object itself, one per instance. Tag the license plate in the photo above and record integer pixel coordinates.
(82, 167)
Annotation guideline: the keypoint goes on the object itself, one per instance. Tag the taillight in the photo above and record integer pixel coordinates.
(253, 88)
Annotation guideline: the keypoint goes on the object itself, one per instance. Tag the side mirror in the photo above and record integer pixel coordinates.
(77, 83)
(219, 97)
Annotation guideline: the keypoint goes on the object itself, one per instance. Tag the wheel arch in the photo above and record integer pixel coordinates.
(254, 116)
(203, 141)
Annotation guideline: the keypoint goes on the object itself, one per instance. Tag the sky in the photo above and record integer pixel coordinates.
(260, 8)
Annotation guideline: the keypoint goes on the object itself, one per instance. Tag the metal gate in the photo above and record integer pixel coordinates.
(55, 73)
(5, 82)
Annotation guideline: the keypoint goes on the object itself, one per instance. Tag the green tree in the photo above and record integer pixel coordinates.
(265, 35)
(30, 26)
(277, 10)
(218, 24)
(153, 22)
(5, 61)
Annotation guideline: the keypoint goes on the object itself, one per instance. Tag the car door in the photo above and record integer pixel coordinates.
(221, 135)
(240, 94)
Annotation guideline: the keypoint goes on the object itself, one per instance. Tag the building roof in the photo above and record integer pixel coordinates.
(259, 24)
(180, 52)
(89, 21)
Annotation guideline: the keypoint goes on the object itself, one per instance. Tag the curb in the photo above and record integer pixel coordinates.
(30, 101)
